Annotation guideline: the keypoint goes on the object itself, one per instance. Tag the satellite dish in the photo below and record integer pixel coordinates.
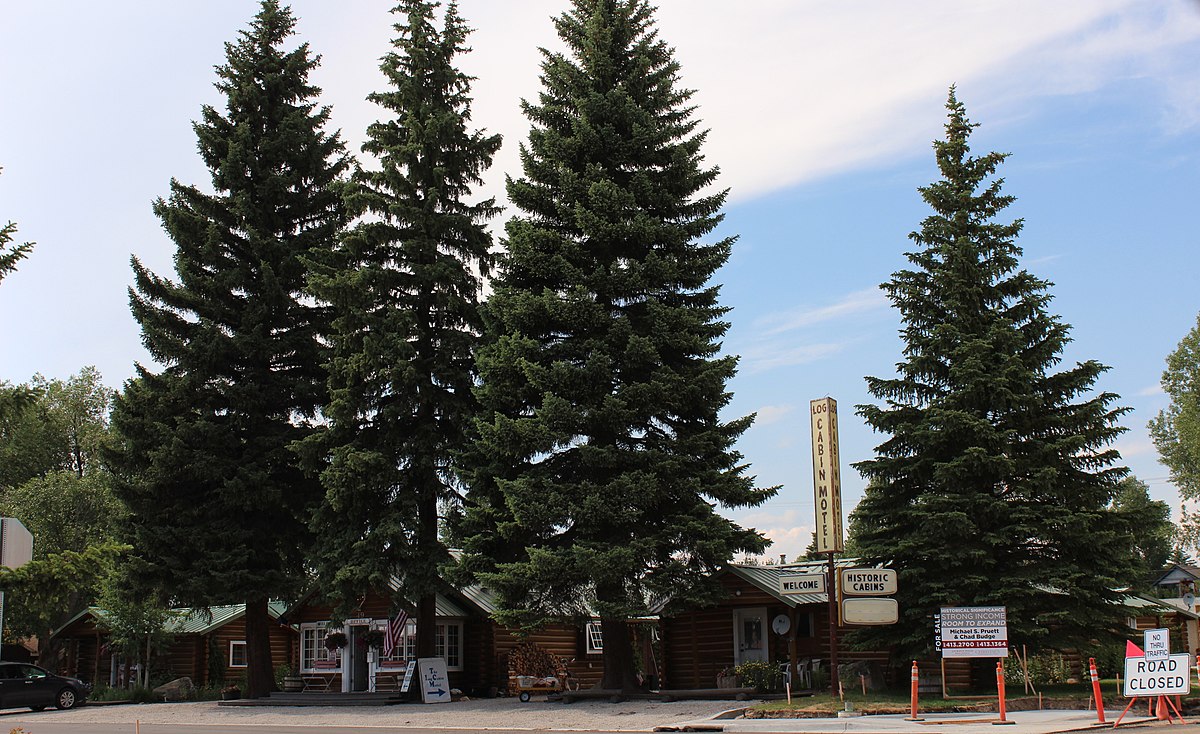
(781, 624)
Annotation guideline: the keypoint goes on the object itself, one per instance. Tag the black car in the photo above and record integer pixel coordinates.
(22, 684)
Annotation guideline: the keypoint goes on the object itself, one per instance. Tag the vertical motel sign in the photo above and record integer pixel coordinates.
(827, 475)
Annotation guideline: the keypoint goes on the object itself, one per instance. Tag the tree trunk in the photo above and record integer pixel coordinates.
(146, 669)
(260, 673)
(619, 672)
(427, 603)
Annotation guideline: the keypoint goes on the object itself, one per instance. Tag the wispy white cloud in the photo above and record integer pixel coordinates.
(1135, 447)
(770, 356)
(1151, 391)
(768, 414)
(775, 341)
(1041, 260)
(793, 92)
(863, 301)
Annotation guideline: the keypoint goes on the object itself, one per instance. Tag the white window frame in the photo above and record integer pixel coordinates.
(442, 651)
(318, 650)
(593, 635)
(234, 644)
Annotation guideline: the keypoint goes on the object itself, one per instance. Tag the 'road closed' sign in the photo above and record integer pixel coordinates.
(1167, 677)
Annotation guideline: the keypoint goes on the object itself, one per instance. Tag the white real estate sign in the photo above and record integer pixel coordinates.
(1167, 677)
(974, 632)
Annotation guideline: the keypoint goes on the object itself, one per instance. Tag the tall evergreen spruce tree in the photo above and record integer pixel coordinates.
(406, 288)
(601, 455)
(219, 507)
(995, 486)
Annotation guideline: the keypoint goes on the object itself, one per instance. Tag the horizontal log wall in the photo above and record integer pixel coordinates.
(699, 644)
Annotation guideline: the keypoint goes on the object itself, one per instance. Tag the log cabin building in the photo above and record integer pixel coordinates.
(482, 657)
(754, 621)
(202, 639)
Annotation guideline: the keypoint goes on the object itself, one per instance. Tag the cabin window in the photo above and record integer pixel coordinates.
(595, 638)
(313, 655)
(406, 649)
(237, 653)
(449, 644)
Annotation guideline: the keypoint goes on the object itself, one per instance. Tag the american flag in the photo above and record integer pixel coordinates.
(393, 637)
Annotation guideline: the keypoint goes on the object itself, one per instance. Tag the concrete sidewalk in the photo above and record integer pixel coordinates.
(1024, 722)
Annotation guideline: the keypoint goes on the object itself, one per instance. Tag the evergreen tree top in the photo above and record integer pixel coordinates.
(998, 464)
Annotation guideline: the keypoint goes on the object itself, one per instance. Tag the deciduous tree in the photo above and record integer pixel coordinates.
(63, 428)
(995, 483)
(602, 459)
(1176, 428)
(219, 505)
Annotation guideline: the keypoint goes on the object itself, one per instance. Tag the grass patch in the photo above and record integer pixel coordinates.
(898, 702)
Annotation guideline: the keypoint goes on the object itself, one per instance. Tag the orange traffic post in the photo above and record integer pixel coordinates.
(912, 716)
(1096, 691)
(1000, 694)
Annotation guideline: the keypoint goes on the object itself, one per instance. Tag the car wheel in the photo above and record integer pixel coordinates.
(66, 699)
(38, 708)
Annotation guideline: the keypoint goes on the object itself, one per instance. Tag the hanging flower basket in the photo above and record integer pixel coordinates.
(335, 640)
(373, 639)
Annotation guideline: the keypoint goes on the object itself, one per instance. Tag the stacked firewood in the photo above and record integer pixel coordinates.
(531, 660)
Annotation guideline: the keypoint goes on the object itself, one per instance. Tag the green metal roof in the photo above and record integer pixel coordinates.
(185, 620)
(202, 620)
(1151, 605)
(767, 578)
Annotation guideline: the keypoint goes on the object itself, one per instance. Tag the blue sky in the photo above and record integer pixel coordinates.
(821, 117)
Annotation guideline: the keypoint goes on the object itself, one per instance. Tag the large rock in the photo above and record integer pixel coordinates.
(176, 690)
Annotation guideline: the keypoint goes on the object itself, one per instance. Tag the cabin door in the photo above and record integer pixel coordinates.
(750, 635)
(356, 664)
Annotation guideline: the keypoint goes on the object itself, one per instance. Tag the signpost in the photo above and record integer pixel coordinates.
(974, 632)
(868, 581)
(409, 671)
(802, 583)
(1156, 673)
(1168, 676)
(435, 684)
(827, 494)
(16, 549)
(861, 592)
(870, 611)
(827, 476)
(1157, 644)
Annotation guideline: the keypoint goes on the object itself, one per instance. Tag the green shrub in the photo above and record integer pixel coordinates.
(762, 677)
(1047, 667)
(137, 694)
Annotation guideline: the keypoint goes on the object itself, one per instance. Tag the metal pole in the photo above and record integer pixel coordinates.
(831, 587)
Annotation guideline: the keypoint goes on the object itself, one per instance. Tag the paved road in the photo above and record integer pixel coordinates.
(1024, 722)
